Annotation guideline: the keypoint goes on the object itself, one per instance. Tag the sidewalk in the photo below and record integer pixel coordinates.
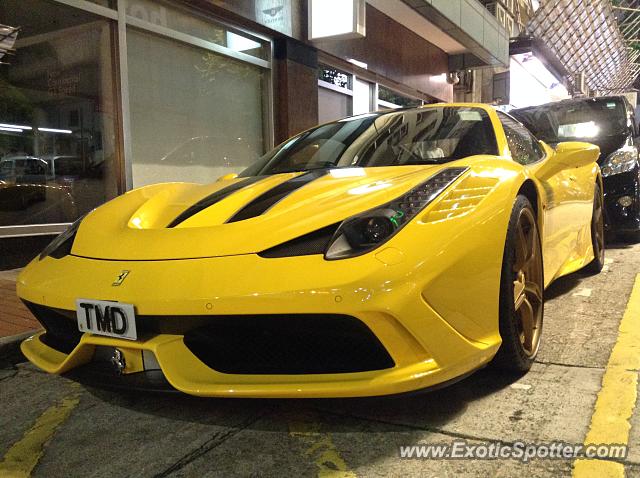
(14, 316)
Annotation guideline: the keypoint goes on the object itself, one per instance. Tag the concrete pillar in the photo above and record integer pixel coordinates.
(295, 88)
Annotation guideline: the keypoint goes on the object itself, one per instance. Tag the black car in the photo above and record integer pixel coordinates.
(610, 123)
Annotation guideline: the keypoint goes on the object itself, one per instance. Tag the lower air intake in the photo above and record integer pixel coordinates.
(61, 328)
(288, 344)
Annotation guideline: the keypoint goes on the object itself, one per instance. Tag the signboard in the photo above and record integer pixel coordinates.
(275, 14)
(336, 19)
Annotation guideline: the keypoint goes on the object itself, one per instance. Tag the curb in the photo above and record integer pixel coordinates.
(10, 347)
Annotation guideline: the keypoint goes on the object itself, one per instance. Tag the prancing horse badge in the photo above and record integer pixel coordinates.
(120, 279)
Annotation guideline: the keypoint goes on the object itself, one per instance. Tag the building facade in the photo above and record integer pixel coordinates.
(101, 96)
(533, 74)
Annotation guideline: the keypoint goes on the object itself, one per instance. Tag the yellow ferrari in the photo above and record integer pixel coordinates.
(378, 254)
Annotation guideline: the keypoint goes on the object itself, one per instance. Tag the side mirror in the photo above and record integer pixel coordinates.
(228, 177)
(575, 154)
(570, 155)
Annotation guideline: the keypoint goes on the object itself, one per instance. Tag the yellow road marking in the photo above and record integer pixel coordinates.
(24, 455)
(320, 447)
(617, 397)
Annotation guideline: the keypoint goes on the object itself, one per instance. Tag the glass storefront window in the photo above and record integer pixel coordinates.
(166, 15)
(390, 96)
(195, 115)
(333, 105)
(362, 93)
(58, 131)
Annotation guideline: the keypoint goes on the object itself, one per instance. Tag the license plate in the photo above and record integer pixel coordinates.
(101, 317)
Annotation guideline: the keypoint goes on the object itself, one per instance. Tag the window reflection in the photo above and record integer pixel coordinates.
(195, 115)
(57, 120)
(169, 16)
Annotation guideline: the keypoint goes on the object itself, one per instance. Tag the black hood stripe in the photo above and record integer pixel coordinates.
(266, 200)
(213, 198)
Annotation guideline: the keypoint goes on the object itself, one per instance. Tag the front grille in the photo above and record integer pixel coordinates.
(287, 344)
(61, 329)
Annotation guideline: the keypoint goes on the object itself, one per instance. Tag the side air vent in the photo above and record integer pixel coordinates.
(462, 199)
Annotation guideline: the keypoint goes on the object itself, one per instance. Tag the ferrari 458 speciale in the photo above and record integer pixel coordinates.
(378, 254)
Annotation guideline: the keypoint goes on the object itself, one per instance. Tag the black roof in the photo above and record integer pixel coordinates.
(574, 101)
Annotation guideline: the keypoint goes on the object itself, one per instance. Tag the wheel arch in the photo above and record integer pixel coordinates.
(530, 191)
(600, 182)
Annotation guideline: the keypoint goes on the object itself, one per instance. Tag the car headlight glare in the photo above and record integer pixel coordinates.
(61, 245)
(620, 161)
(367, 231)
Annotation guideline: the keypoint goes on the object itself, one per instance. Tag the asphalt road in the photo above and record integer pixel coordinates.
(50, 426)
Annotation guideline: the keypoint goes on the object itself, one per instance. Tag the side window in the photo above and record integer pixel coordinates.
(523, 145)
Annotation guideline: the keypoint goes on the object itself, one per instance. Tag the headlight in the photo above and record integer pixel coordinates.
(367, 231)
(620, 161)
(61, 245)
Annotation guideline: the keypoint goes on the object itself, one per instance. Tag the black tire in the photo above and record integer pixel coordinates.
(516, 354)
(597, 233)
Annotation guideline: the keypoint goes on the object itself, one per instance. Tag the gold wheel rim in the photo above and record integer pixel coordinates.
(598, 226)
(527, 283)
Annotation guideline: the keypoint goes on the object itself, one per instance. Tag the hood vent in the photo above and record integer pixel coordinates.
(266, 200)
(214, 198)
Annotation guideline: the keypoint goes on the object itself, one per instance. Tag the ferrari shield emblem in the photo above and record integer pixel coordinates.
(120, 278)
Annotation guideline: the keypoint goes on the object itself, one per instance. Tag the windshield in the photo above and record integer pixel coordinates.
(569, 121)
(431, 135)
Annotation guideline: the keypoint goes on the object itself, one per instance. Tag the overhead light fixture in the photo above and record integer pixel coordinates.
(54, 130)
(532, 83)
(16, 126)
(442, 78)
(336, 19)
(11, 130)
(361, 64)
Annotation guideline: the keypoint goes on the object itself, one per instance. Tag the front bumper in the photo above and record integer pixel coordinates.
(617, 217)
(426, 350)
(185, 373)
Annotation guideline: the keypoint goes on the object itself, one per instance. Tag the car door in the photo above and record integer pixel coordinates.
(561, 221)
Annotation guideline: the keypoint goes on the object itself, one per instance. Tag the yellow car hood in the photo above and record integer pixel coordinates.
(141, 224)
